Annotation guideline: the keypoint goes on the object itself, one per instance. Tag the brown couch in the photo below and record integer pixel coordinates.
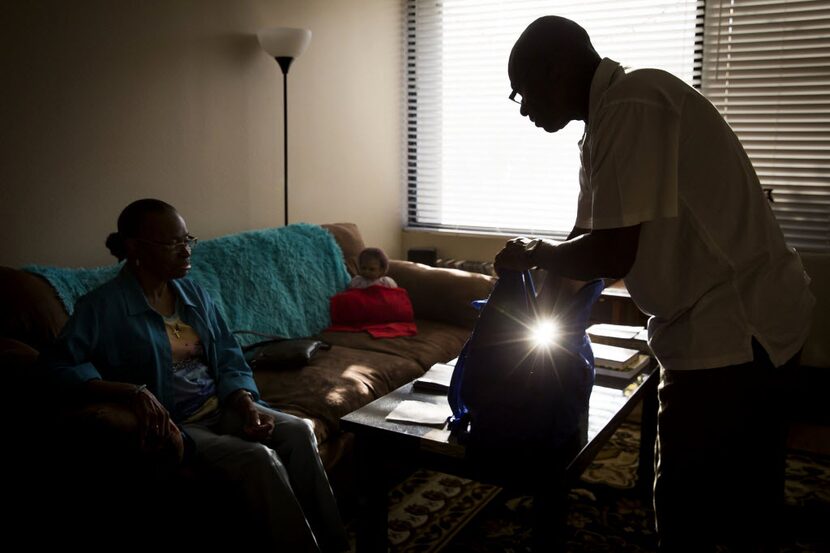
(355, 371)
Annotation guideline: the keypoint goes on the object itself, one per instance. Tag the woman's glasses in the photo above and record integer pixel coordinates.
(188, 242)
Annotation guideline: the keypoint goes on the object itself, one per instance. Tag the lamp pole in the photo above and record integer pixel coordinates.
(284, 44)
(285, 63)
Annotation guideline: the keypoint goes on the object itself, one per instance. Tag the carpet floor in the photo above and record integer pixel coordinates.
(432, 512)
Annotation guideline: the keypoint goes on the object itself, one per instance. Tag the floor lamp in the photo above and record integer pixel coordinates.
(284, 44)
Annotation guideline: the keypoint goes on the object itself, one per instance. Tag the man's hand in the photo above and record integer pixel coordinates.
(514, 256)
(603, 253)
(257, 425)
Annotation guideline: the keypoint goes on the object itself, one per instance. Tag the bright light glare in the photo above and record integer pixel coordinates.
(545, 333)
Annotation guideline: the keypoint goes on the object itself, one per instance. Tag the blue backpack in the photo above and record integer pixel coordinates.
(511, 391)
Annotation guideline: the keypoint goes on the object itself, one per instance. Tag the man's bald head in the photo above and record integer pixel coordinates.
(551, 67)
(551, 42)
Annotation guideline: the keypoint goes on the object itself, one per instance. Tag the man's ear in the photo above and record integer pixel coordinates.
(551, 77)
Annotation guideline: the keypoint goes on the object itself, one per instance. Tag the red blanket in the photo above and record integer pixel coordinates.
(382, 312)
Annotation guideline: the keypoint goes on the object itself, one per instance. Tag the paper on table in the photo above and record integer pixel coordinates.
(613, 357)
(634, 337)
(625, 332)
(436, 379)
(640, 363)
(420, 412)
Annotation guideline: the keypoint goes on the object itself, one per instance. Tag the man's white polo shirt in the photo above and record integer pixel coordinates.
(712, 268)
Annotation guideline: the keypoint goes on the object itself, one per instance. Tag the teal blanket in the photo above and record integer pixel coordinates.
(275, 281)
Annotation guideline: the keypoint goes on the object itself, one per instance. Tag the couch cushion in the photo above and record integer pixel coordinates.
(435, 342)
(30, 310)
(335, 383)
(350, 241)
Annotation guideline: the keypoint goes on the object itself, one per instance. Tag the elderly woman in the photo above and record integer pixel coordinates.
(153, 340)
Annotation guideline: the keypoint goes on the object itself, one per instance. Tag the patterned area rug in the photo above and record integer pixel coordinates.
(429, 508)
(432, 512)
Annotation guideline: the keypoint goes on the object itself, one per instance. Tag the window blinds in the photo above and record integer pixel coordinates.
(472, 162)
(767, 69)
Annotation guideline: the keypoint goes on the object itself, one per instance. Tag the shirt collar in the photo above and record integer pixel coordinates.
(134, 295)
(607, 72)
(184, 295)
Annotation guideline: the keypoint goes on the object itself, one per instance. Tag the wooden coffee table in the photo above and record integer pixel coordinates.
(381, 443)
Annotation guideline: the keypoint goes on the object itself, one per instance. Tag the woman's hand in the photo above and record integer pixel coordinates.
(256, 425)
(155, 428)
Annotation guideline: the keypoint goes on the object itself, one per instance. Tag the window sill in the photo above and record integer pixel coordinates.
(506, 235)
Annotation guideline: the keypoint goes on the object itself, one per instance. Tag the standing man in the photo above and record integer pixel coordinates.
(669, 201)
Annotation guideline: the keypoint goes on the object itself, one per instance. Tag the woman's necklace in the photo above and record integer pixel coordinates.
(173, 321)
(174, 326)
(161, 304)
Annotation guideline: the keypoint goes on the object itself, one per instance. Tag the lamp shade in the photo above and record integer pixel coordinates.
(284, 42)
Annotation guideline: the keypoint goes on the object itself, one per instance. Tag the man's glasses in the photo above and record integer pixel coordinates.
(515, 97)
(188, 242)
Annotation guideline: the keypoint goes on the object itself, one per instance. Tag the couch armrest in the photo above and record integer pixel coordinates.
(16, 355)
(350, 241)
(30, 310)
(108, 434)
(439, 294)
(17, 366)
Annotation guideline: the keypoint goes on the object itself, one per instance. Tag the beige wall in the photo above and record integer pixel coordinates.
(104, 102)
(451, 245)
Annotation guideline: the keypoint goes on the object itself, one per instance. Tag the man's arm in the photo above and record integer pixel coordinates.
(607, 253)
(577, 231)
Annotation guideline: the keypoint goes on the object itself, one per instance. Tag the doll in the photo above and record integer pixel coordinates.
(372, 265)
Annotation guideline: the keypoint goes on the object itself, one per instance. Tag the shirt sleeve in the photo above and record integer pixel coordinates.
(583, 205)
(634, 164)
